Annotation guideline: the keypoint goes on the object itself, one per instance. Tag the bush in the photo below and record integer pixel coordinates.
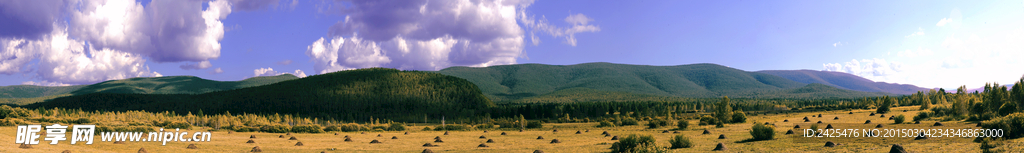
(739, 117)
(633, 143)
(1012, 125)
(606, 124)
(176, 125)
(427, 128)
(719, 125)
(485, 126)
(332, 128)
(656, 123)
(763, 132)
(921, 116)
(350, 127)
(899, 118)
(275, 128)
(451, 127)
(396, 127)
(682, 124)
(680, 141)
(629, 121)
(534, 124)
(707, 120)
(310, 128)
(379, 128)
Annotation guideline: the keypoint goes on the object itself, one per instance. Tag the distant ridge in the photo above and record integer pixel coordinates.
(843, 81)
(513, 82)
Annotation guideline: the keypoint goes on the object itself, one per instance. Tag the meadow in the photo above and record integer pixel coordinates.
(737, 136)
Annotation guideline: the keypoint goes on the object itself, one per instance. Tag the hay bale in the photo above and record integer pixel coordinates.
(615, 138)
(66, 151)
(293, 138)
(721, 136)
(836, 118)
(867, 122)
(851, 112)
(143, 150)
(785, 120)
(438, 140)
(503, 133)
(578, 132)
(427, 151)
(796, 126)
(897, 148)
(605, 132)
(819, 122)
(883, 115)
(483, 137)
(256, 149)
(481, 145)
(538, 151)
(555, 141)
(374, 141)
(937, 124)
(192, 146)
(298, 144)
(789, 132)
(829, 126)
(25, 146)
(490, 140)
(394, 137)
(429, 145)
(830, 144)
(250, 141)
(437, 137)
(878, 126)
(719, 147)
(445, 132)
(540, 137)
(119, 142)
(920, 136)
(348, 140)
(706, 132)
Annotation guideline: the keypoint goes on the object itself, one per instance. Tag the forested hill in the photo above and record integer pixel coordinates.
(843, 81)
(31, 91)
(522, 81)
(177, 85)
(344, 95)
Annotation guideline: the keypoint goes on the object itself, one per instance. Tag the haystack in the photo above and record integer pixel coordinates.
(374, 141)
(250, 141)
(878, 126)
(920, 136)
(438, 140)
(394, 137)
(615, 138)
(280, 136)
(706, 132)
(346, 136)
(719, 147)
(872, 114)
(485, 131)
(483, 137)
(721, 136)
(252, 136)
(785, 120)
(937, 124)
(363, 133)
(66, 151)
(851, 112)
(867, 122)
(540, 137)
(819, 115)
(830, 144)
(406, 133)
(796, 126)
(25, 146)
(883, 115)
(191, 146)
(789, 132)
(897, 148)
(556, 130)
(890, 118)
(378, 135)
(335, 133)
(829, 126)
(119, 142)
(819, 122)
(293, 138)
(664, 131)
(143, 150)
(538, 151)
(503, 133)
(578, 132)
(427, 151)
(481, 145)
(289, 133)
(555, 141)
(348, 140)
(490, 140)
(254, 149)
(429, 145)
(298, 144)
(836, 118)
(445, 132)
(605, 132)
(674, 132)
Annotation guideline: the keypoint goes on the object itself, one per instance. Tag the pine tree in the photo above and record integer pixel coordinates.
(926, 102)
(723, 111)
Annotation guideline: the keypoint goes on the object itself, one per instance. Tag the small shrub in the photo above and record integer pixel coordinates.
(656, 123)
(606, 124)
(720, 125)
(177, 125)
(310, 128)
(275, 128)
(332, 128)
(451, 127)
(633, 143)
(1012, 125)
(534, 124)
(379, 128)
(485, 126)
(396, 127)
(629, 121)
(921, 116)
(351, 127)
(739, 117)
(899, 118)
(763, 132)
(426, 129)
(707, 120)
(680, 141)
(682, 124)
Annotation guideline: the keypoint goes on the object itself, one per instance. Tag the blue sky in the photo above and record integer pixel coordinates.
(926, 43)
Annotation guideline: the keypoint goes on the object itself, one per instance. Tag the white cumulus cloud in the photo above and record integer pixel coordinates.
(270, 72)
(943, 22)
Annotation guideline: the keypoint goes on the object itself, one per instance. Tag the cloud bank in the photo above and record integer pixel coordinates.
(270, 72)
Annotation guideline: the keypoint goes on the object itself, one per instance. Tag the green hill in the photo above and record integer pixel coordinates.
(523, 81)
(176, 85)
(346, 95)
(843, 81)
(31, 91)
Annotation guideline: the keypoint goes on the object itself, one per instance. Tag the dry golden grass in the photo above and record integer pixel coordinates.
(515, 141)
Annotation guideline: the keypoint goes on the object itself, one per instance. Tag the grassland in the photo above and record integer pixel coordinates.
(593, 141)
